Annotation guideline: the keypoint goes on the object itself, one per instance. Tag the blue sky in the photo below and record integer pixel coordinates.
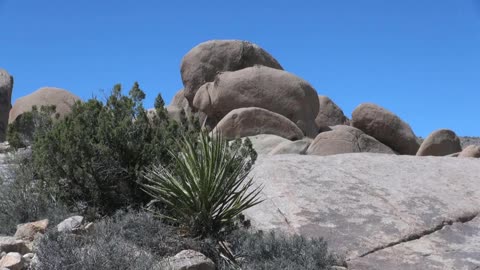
(417, 58)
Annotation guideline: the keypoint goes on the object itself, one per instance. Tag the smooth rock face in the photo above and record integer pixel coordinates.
(265, 143)
(70, 224)
(202, 63)
(471, 151)
(329, 113)
(189, 260)
(364, 201)
(386, 127)
(345, 139)
(12, 261)
(6, 87)
(27, 231)
(62, 99)
(252, 121)
(440, 143)
(271, 89)
(297, 147)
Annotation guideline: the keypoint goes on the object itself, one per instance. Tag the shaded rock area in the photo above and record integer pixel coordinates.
(471, 151)
(6, 88)
(329, 114)
(370, 206)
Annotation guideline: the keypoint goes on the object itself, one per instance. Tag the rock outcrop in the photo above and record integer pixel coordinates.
(345, 139)
(329, 114)
(380, 211)
(471, 151)
(271, 89)
(441, 142)
(46, 96)
(6, 87)
(202, 63)
(252, 121)
(386, 127)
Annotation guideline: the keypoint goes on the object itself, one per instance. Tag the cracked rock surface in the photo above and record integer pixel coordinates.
(379, 211)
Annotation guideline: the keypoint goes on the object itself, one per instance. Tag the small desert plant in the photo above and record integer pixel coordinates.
(207, 186)
(126, 240)
(269, 251)
(23, 197)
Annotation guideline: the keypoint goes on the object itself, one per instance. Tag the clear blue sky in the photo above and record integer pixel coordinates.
(418, 58)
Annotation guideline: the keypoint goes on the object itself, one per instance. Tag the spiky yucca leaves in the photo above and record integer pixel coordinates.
(206, 188)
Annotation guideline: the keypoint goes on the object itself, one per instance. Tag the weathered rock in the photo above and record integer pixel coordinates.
(441, 142)
(386, 127)
(471, 151)
(12, 261)
(345, 139)
(329, 114)
(46, 96)
(364, 202)
(179, 99)
(27, 231)
(202, 63)
(265, 143)
(71, 224)
(297, 147)
(252, 121)
(271, 89)
(6, 87)
(11, 244)
(188, 260)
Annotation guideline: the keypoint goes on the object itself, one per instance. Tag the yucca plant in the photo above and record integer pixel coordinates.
(207, 186)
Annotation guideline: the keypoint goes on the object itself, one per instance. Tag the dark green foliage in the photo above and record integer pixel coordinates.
(21, 132)
(94, 157)
(23, 198)
(271, 251)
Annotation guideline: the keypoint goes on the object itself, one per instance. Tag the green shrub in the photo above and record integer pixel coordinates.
(271, 251)
(206, 188)
(92, 159)
(23, 197)
(127, 240)
(21, 132)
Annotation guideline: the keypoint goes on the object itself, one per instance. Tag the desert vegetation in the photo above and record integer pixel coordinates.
(151, 185)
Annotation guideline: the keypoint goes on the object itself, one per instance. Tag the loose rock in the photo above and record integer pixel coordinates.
(189, 260)
(27, 231)
(471, 151)
(71, 224)
(11, 244)
(329, 114)
(12, 261)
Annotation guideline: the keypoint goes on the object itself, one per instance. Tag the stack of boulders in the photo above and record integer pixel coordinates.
(238, 89)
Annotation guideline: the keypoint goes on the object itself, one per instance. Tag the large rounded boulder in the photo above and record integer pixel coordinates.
(386, 127)
(202, 63)
(329, 114)
(441, 142)
(252, 121)
(63, 101)
(6, 87)
(345, 139)
(259, 86)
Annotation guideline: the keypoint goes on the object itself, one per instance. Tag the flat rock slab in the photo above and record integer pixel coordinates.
(362, 203)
